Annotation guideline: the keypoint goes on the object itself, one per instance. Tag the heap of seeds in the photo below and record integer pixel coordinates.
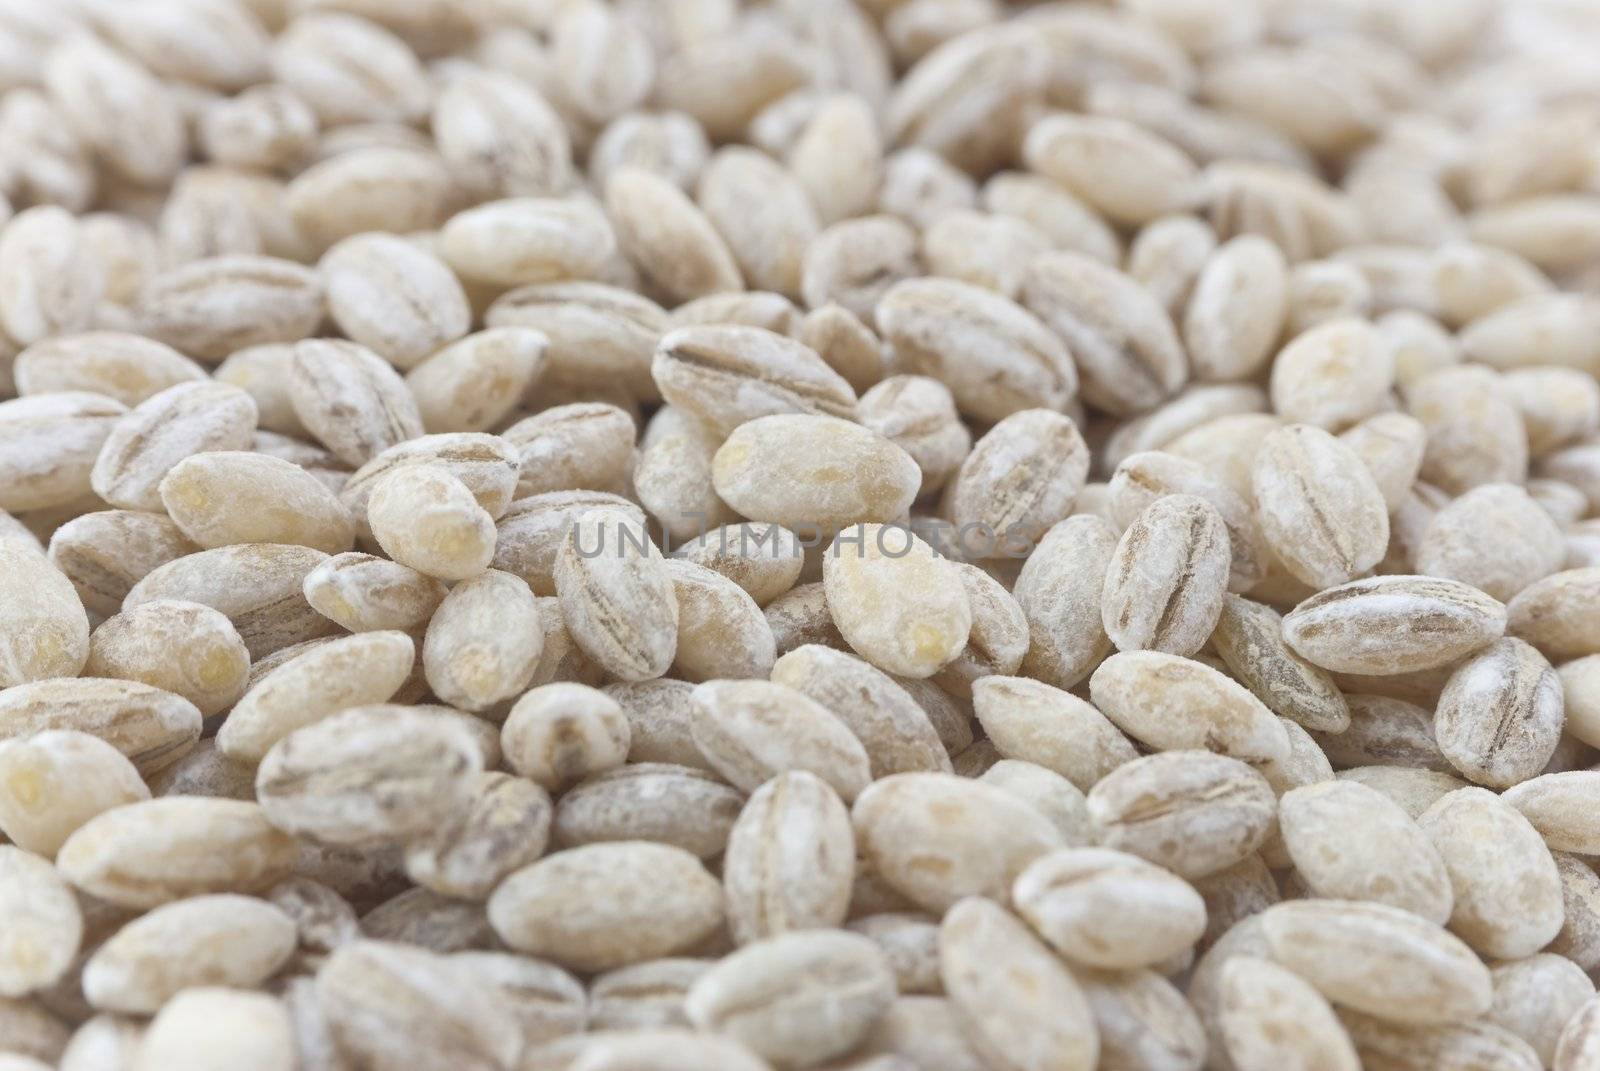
(866, 535)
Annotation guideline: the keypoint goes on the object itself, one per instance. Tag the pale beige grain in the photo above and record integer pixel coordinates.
(1192, 812)
(483, 643)
(1033, 1010)
(796, 998)
(935, 838)
(607, 905)
(148, 853)
(368, 776)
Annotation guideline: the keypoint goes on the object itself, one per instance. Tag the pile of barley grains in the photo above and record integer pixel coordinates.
(799, 535)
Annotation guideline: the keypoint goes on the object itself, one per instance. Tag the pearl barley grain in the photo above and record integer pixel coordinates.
(810, 535)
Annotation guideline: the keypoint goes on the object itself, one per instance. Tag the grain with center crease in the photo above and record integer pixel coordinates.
(861, 535)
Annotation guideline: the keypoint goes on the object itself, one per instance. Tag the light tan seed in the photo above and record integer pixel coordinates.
(1030, 720)
(345, 672)
(152, 852)
(935, 838)
(1379, 959)
(1169, 703)
(154, 728)
(394, 297)
(1143, 477)
(1167, 578)
(904, 609)
(996, 357)
(181, 647)
(1508, 891)
(390, 1006)
(352, 400)
(1319, 509)
(617, 595)
(1191, 812)
(764, 560)
(721, 631)
(813, 473)
(1475, 431)
(1558, 614)
(667, 237)
(487, 464)
(855, 262)
(1579, 1043)
(350, 70)
(763, 214)
(602, 906)
(1033, 1012)
(918, 414)
(1021, 477)
(790, 859)
(1555, 803)
(46, 630)
(1122, 340)
(1237, 310)
(547, 1002)
(223, 497)
(504, 827)
(910, 943)
(501, 136)
(561, 733)
(767, 996)
(54, 781)
(527, 240)
(1385, 731)
(727, 375)
(49, 279)
(263, 373)
(752, 730)
(1499, 718)
(50, 443)
(1351, 842)
(222, 940)
(165, 429)
(962, 100)
(364, 593)
(894, 730)
(1494, 537)
(1415, 790)
(1143, 1020)
(587, 445)
(594, 330)
(210, 1025)
(683, 806)
(1393, 624)
(1271, 1018)
(474, 384)
(484, 642)
(998, 641)
(1249, 639)
(1333, 375)
(423, 918)
(1108, 909)
(43, 923)
(919, 1031)
(1047, 792)
(368, 776)
(213, 307)
(673, 475)
(428, 520)
(368, 188)
(1059, 590)
(531, 533)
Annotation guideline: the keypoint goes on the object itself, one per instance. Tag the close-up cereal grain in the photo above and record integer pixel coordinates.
(799, 535)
